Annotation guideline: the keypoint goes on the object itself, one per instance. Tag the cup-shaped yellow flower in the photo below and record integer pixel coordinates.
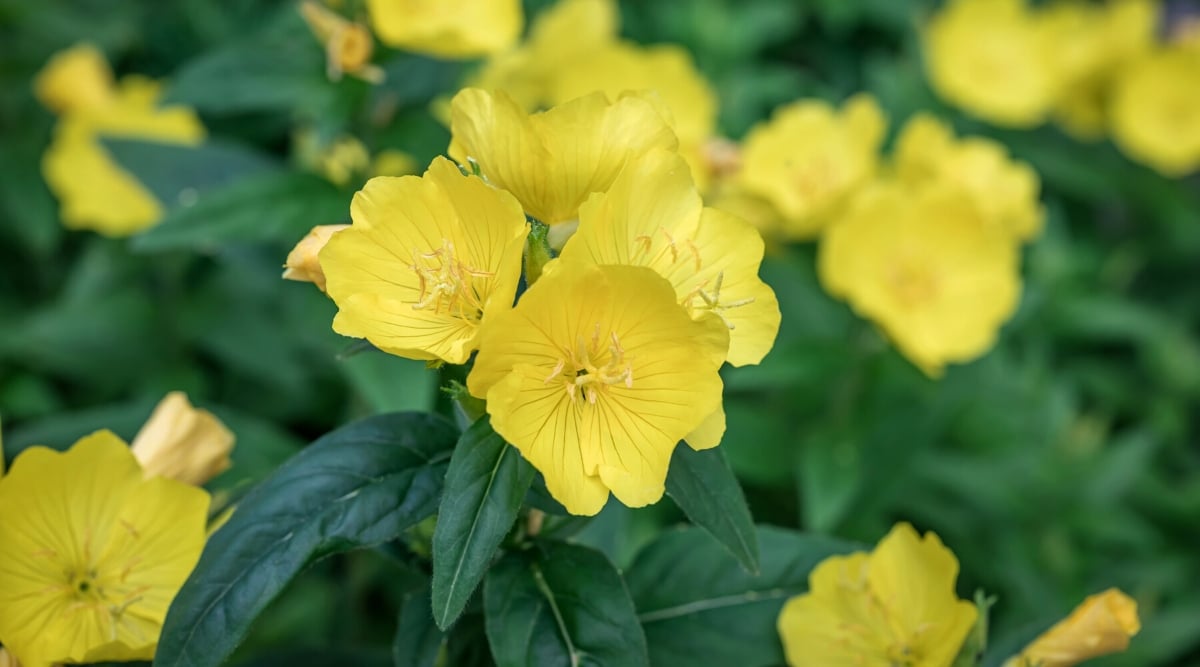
(551, 161)
(1006, 190)
(348, 45)
(893, 606)
(425, 261)
(95, 192)
(652, 216)
(1156, 110)
(448, 28)
(91, 553)
(1101, 625)
(596, 375)
(809, 158)
(994, 59)
(183, 443)
(303, 263)
(926, 266)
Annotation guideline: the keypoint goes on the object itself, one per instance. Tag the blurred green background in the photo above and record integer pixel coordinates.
(1064, 462)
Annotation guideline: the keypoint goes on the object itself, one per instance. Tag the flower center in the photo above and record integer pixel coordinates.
(912, 282)
(446, 283)
(589, 369)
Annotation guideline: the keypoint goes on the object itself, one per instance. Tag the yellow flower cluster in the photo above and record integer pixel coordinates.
(1092, 67)
(897, 606)
(96, 541)
(610, 356)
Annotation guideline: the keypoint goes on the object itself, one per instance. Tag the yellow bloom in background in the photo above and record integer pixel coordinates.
(1006, 190)
(552, 161)
(303, 263)
(392, 162)
(94, 192)
(596, 375)
(348, 45)
(183, 443)
(426, 261)
(927, 267)
(652, 216)
(448, 28)
(91, 553)
(1101, 625)
(809, 158)
(994, 59)
(893, 606)
(1156, 110)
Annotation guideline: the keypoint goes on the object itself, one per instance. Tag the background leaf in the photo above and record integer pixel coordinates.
(418, 640)
(705, 488)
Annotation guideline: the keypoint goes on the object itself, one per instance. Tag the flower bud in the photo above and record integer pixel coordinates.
(302, 262)
(1100, 626)
(183, 443)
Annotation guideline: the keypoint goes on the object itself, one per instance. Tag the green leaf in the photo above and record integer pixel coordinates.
(705, 488)
(561, 605)
(485, 485)
(270, 207)
(418, 640)
(699, 608)
(176, 173)
(389, 383)
(358, 486)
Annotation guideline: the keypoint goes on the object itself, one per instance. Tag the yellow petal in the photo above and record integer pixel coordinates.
(425, 262)
(183, 443)
(1156, 110)
(448, 28)
(709, 433)
(302, 263)
(1102, 624)
(76, 79)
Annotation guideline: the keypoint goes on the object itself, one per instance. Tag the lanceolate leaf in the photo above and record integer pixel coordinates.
(358, 486)
(561, 605)
(485, 485)
(700, 608)
(704, 487)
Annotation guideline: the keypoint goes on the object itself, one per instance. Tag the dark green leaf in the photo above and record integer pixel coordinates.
(485, 485)
(699, 608)
(561, 605)
(358, 486)
(176, 173)
(418, 640)
(704, 487)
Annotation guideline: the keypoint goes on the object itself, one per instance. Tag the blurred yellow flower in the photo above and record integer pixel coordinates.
(391, 162)
(93, 191)
(927, 267)
(809, 158)
(652, 216)
(183, 443)
(348, 45)
(1156, 110)
(91, 553)
(994, 59)
(426, 261)
(302, 263)
(596, 375)
(1101, 625)
(448, 28)
(893, 606)
(344, 159)
(1005, 190)
(552, 161)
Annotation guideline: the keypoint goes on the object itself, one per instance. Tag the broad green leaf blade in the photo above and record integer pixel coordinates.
(358, 486)
(485, 485)
(700, 608)
(561, 605)
(705, 488)
(418, 640)
(176, 173)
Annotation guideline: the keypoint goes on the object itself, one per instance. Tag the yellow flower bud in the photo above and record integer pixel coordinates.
(348, 45)
(302, 263)
(183, 443)
(76, 79)
(1100, 626)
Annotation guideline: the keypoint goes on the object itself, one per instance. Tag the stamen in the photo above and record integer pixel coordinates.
(711, 301)
(445, 282)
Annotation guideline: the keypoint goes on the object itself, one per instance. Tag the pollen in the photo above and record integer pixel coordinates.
(592, 366)
(446, 284)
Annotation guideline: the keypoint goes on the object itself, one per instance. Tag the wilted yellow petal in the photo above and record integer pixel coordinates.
(183, 443)
(448, 28)
(303, 263)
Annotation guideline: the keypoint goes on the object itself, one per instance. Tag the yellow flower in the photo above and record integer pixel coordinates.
(391, 162)
(809, 158)
(94, 192)
(183, 443)
(552, 161)
(652, 216)
(926, 266)
(348, 45)
(1156, 110)
(1101, 625)
(426, 261)
(303, 264)
(893, 606)
(595, 376)
(1005, 190)
(91, 553)
(448, 28)
(993, 59)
